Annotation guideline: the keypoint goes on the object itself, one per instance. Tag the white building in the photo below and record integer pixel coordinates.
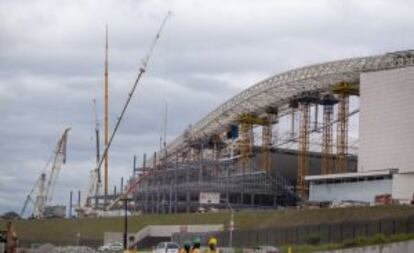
(386, 137)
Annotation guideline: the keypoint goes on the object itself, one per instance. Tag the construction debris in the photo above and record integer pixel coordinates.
(72, 249)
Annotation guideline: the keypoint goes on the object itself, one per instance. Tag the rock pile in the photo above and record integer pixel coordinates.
(72, 249)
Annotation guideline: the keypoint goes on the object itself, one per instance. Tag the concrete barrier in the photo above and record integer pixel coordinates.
(162, 231)
(115, 237)
(399, 247)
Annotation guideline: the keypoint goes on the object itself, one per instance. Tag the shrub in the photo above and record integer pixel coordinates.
(378, 239)
(313, 240)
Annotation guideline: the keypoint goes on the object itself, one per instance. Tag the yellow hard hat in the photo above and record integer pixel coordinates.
(212, 241)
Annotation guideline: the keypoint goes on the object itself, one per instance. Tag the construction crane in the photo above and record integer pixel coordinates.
(95, 180)
(142, 70)
(29, 198)
(45, 185)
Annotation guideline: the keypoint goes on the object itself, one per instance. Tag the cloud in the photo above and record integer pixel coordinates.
(51, 67)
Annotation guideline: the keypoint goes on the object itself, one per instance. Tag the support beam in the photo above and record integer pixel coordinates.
(245, 144)
(344, 90)
(328, 101)
(303, 159)
(294, 106)
(267, 134)
(247, 140)
(342, 133)
(266, 147)
(304, 100)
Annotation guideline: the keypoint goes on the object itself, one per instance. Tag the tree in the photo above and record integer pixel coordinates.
(11, 216)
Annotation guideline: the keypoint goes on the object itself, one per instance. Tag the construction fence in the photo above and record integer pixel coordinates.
(307, 234)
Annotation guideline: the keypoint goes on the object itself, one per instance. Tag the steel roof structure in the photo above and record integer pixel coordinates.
(278, 90)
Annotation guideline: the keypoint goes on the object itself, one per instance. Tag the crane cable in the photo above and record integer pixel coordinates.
(142, 70)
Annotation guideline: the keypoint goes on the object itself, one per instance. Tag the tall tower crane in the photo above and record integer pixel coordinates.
(45, 185)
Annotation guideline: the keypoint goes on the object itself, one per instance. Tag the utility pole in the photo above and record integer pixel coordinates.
(231, 223)
(125, 236)
(70, 204)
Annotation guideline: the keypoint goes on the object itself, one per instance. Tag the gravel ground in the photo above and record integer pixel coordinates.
(72, 249)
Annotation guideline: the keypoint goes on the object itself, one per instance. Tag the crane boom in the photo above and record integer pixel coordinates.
(58, 161)
(142, 70)
(44, 186)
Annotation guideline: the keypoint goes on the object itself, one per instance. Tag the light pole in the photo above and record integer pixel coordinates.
(78, 238)
(231, 224)
(125, 199)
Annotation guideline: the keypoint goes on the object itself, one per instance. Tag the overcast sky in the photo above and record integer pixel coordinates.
(52, 56)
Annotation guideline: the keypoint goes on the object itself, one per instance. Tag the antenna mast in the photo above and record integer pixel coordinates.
(106, 123)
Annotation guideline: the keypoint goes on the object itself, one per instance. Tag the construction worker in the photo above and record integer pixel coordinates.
(186, 247)
(212, 246)
(196, 245)
(11, 239)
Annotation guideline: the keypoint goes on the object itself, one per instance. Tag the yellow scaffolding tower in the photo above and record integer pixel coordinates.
(303, 160)
(247, 121)
(304, 102)
(344, 90)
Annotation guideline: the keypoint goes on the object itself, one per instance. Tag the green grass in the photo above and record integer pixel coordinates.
(357, 242)
(93, 228)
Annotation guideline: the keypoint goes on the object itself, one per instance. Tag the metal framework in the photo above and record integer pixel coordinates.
(279, 89)
(176, 188)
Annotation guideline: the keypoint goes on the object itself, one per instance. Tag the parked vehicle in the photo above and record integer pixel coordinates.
(266, 249)
(112, 247)
(167, 247)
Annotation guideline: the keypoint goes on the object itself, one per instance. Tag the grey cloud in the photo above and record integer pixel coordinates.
(51, 66)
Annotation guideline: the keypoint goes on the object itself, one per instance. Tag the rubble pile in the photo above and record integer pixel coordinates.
(72, 249)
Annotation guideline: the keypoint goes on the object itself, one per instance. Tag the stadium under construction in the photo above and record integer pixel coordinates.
(238, 156)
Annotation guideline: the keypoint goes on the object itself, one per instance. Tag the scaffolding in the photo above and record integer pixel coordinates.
(267, 138)
(303, 159)
(304, 100)
(246, 122)
(177, 186)
(328, 101)
(343, 90)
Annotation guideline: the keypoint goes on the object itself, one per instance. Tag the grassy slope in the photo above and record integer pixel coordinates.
(54, 230)
(358, 242)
